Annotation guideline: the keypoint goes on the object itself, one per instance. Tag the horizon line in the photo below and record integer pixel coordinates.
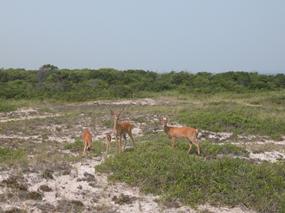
(151, 70)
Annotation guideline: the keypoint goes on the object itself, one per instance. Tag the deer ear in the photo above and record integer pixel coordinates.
(122, 110)
(164, 119)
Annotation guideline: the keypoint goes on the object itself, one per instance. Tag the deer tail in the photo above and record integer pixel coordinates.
(197, 132)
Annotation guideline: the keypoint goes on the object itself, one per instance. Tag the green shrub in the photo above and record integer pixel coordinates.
(6, 106)
(212, 150)
(231, 117)
(8, 155)
(157, 168)
(85, 84)
(208, 149)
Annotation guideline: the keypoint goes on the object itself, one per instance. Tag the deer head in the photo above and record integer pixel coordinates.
(116, 115)
(163, 121)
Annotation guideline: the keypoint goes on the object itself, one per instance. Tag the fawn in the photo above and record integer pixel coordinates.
(87, 140)
(121, 128)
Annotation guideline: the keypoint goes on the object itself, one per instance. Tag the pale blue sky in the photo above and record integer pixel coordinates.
(158, 35)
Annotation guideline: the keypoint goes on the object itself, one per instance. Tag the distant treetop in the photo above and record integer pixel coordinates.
(48, 67)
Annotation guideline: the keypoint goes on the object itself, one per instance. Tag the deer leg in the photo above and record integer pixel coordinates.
(190, 147)
(89, 146)
(198, 148)
(108, 142)
(131, 136)
(120, 143)
(196, 143)
(117, 143)
(173, 142)
(84, 150)
(125, 140)
(106, 147)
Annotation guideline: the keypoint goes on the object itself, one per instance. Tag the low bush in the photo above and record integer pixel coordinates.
(157, 168)
(231, 117)
(87, 84)
(8, 155)
(6, 106)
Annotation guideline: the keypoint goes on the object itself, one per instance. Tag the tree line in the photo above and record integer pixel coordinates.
(88, 84)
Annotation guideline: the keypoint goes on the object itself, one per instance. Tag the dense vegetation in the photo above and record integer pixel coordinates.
(85, 84)
(156, 168)
(237, 116)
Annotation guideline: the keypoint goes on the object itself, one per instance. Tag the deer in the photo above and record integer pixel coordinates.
(181, 132)
(87, 140)
(120, 129)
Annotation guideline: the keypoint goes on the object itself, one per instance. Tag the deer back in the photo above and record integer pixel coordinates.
(182, 132)
(125, 126)
(86, 136)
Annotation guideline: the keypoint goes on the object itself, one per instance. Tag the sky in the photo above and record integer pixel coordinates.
(157, 35)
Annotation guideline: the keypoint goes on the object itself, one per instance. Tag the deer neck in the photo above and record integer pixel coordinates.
(166, 128)
(116, 126)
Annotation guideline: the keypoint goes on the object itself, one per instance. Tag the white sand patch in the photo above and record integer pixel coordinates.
(247, 137)
(221, 136)
(273, 156)
(4, 120)
(218, 136)
(102, 134)
(137, 131)
(19, 112)
(52, 128)
(75, 187)
(224, 209)
(101, 192)
(19, 137)
(4, 175)
(61, 139)
(25, 114)
(142, 102)
(282, 142)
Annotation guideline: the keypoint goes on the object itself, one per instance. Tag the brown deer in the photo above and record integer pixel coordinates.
(87, 140)
(181, 132)
(121, 128)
